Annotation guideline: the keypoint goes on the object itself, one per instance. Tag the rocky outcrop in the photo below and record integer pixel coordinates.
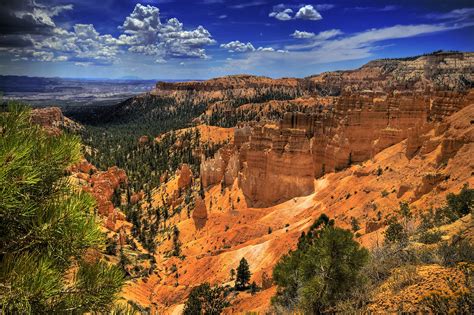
(444, 71)
(102, 185)
(53, 120)
(278, 165)
(184, 175)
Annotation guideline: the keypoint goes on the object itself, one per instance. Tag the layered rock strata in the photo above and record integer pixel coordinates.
(274, 163)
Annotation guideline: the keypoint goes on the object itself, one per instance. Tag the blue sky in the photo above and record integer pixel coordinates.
(172, 39)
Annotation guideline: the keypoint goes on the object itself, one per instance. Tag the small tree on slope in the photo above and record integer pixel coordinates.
(243, 275)
(324, 270)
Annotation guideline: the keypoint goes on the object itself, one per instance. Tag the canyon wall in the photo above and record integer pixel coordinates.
(279, 162)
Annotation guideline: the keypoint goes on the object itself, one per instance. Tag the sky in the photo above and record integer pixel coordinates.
(201, 39)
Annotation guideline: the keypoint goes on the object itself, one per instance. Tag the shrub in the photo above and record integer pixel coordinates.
(461, 299)
(355, 224)
(396, 234)
(321, 272)
(462, 203)
(457, 250)
(205, 299)
(430, 237)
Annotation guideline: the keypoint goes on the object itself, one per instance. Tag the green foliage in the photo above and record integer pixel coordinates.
(396, 233)
(379, 171)
(254, 288)
(430, 236)
(355, 224)
(45, 226)
(206, 300)
(457, 250)
(243, 275)
(462, 203)
(324, 270)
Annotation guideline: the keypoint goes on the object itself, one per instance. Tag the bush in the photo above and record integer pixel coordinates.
(430, 237)
(457, 250)
(462, 203)
(396, 233)
(206, 300)
(460, 301)
(324, 269)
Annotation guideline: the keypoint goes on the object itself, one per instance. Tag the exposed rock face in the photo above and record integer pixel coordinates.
(213, 170)
(53, 120)
(101, 185)
(226, 88)
(184, 176)
(277, 163)
(439, 71)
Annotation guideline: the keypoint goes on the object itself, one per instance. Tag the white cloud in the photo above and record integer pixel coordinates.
(284, 15)
(145, 33)
(284, 12)
(267, 49)
(238, 46)
(457, 15)
(302, 34)
(247, 4)
(83, 44)
(308, 12)
(331, 46)
(222, 16)
(312, 39)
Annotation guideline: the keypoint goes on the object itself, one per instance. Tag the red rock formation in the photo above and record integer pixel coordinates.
(185, 176)
(101, 185)
(277, 163)
(53, 120)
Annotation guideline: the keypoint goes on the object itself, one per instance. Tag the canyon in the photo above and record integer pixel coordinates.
(350, 144)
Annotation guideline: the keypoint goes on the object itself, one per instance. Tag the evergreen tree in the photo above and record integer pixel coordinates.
(46, 226)
(323, 270)
(206, 300)
(243, 275)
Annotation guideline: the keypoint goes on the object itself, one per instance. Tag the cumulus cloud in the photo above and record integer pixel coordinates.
(285, 12)
(145, 33)
(238, 46)
(23, 20)
(302, 34)
(284, 15)
(308, 12)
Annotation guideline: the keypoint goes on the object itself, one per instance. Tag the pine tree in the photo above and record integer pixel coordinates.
(243, 275)
(46, 226)
(206, 300)
(323, 270)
